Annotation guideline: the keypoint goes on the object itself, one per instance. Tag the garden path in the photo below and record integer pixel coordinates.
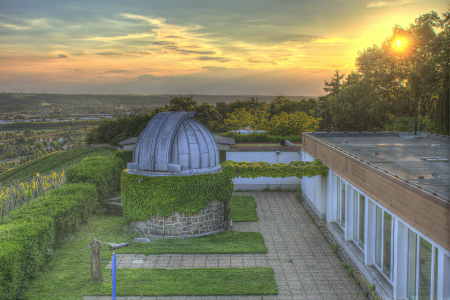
(305, 266)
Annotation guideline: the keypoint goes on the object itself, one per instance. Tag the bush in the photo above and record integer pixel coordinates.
(25, 249)
(126, 156)
(30, 233)
(103, 172)
(261, 138)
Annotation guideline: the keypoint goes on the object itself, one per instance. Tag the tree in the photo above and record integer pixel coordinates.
(292, 124)
(334, 86)
(241, 117)
(182, 103)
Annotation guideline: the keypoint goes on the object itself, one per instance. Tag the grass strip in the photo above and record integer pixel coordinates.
(188, 282)
(68, 273)
(243, 209)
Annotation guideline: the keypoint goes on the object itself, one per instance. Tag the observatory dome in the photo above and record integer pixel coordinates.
(174, 144)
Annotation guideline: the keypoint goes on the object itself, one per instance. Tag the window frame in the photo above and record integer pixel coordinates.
(356, 241)
(434, 284)
(380, 268)
(341, 183)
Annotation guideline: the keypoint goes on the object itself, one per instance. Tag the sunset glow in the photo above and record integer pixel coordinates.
(160, 47)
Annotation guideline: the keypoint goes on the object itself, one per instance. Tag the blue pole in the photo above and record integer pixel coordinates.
(113, 274)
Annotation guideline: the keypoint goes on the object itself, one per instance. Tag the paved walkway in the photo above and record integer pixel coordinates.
(305, 266)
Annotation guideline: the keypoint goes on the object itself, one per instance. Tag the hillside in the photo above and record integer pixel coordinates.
(73, 101)
(51, 162)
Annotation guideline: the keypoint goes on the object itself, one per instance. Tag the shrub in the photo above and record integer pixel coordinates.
(30, 233)
(126, 156)
(261, 138)
(104, 172)
(24, 251)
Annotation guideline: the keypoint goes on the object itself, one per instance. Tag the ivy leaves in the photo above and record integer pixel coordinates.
(299, 169)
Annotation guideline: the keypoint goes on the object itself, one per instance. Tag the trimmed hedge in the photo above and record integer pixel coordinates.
(104, 172)
(25, 249)
(126, 156)
(30, 234)
(261, 137)
(165, 194)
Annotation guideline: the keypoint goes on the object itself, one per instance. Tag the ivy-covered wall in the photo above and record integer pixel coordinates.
(163, 195)
(256, 169)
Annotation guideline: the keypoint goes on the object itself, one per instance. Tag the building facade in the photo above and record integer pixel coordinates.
(387, 206)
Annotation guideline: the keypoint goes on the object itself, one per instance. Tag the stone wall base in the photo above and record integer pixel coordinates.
(207, 221)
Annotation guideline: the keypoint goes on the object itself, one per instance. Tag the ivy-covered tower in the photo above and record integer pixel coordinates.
(175, 185)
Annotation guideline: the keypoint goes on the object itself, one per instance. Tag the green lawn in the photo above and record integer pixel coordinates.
(67, 275)
(243, 209)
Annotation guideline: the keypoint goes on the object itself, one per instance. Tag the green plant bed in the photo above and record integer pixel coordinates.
(190, 282)
(261, 138)
(68, 275)
(221, 243)
(243, 209)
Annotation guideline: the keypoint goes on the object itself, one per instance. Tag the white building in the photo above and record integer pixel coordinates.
(386, 201)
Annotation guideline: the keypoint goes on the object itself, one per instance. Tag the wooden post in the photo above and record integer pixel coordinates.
(96, 258)
(18, 195)
(40, 182)
(12, 195)
(227, 214)
(1, 210)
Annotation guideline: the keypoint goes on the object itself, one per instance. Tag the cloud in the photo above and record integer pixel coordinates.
(216, 58)
(62, 56)
(333, 40)
(120, 37)
(12, 26)
(173, 37)
(117, 71)
(390, 3)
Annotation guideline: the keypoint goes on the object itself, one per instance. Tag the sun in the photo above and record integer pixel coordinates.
(400, 44)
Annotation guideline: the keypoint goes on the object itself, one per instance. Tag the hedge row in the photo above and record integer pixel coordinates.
(31, 233)
(104, 172)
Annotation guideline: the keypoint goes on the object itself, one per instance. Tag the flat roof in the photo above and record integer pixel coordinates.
(400, 153)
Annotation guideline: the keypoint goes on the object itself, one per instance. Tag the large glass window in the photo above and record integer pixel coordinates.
(384, 241)
(435, 287)
(425, 270)
(340, 202)
(412, 267)
(422, 275)
(379, 230)
(358, 218)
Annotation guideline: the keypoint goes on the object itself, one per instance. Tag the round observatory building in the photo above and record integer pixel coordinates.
(161, 197)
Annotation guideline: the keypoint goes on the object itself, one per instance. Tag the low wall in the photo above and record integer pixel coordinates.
(208, 220)
(103, 145)
(285, 155)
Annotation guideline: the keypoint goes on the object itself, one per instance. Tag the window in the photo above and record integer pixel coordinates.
(383, 242)
(421, 281)
(358, 218)
(340, 202)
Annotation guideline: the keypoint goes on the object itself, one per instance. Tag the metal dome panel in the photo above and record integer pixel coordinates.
(175, 144)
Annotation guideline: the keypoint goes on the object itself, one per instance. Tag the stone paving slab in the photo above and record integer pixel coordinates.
(305, 266)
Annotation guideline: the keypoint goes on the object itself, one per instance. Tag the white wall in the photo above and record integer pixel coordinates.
(261, 183)
(314, 190)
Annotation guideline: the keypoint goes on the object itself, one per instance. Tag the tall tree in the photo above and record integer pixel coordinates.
(334, 86)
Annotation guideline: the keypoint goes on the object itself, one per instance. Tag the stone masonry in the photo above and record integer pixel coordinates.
(208, 220)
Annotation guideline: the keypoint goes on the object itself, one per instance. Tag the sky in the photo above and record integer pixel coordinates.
(232, 47)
